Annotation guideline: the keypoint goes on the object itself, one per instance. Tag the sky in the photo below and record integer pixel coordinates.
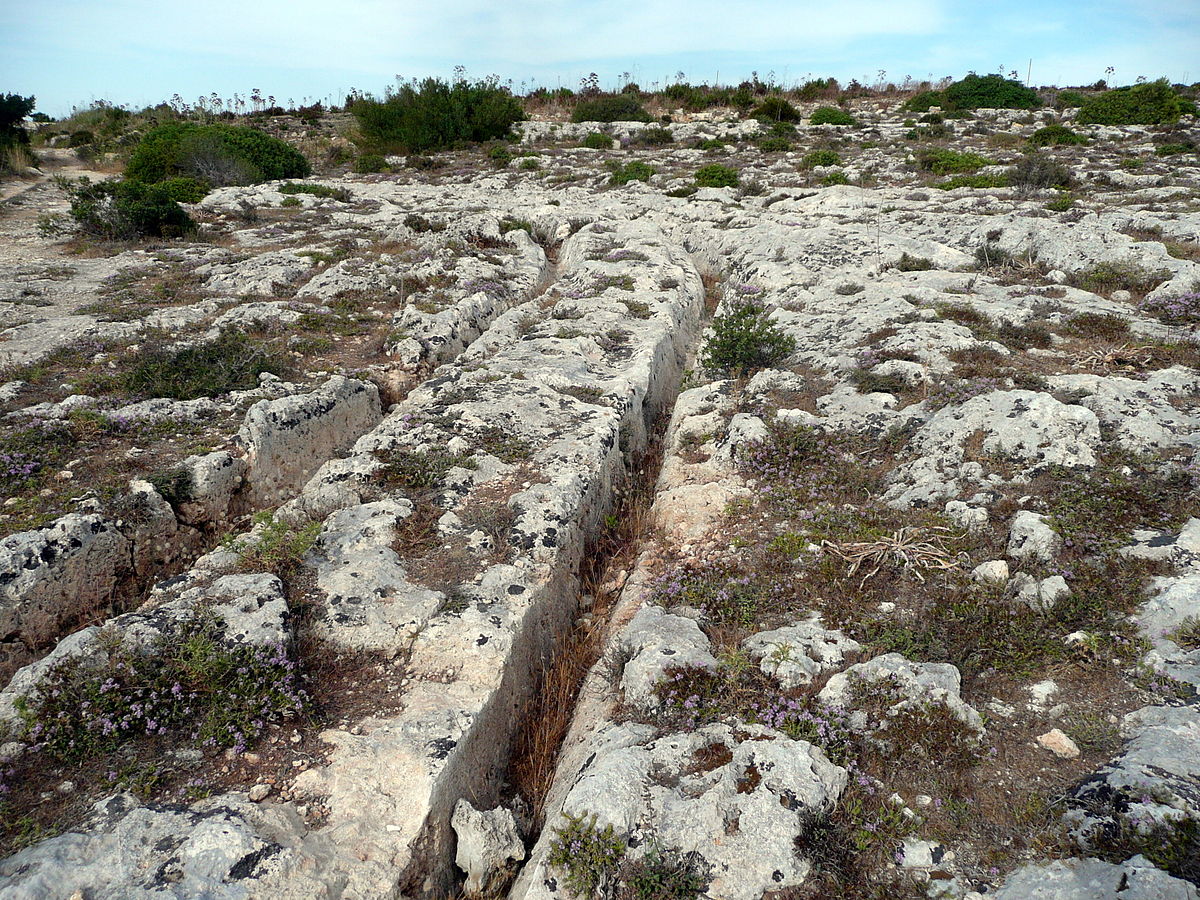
(69, 53)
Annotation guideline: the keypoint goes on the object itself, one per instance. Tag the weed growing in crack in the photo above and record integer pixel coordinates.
(278, 548)
(745, 339)
(587, 855)
(421, 469)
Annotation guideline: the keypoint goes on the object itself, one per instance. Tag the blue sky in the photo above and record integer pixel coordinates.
(137, 52)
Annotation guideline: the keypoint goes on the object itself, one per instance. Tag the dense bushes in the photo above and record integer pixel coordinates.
(1035, 171)
(127, 210)
(1140, 104)
(716, 175)
(991, 92)
(13, 109)
(433, 114)
(617, 108)
(1055, 134)
(219, 154)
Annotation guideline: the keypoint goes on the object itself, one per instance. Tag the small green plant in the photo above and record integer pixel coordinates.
(775, 109)
(941, 161)
(1063, 202)
(820, 158)
(973, 181)
(745, 339)
(1055, 135)
(279, 547)
(907, 263)
(175, 485)
(710, 144)
(1187, 633)
(500, 155)
(369, 163)
(1038, 171)
(597, 140)
(775, 145)
(923, 101)
(835, 178)
(634, 170)
(831, 115)
(1128, 275)
(662, 876)
(316, 190)
(422, 470)
(656, 136)
(586, 854)
(716, 175)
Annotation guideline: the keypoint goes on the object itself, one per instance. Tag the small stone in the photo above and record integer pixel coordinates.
(1059, 744)
(260, 792)
(993, 572)
(1041, 693)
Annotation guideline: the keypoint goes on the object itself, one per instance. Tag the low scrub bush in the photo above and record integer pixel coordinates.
(1124, 275)
(820, 158)
(316, 190)
(775, 109)
(973, 181)
(653, 137)
(1037, 171)
(615, 108)
(369, 163)
(1055, 135)
(831, 115)
(433, 115)
(949, 162)
(1154, 103)
(219, 154)
(631, 171)
(717, 176)
(991, 92)
(775, 145)
(923, 101)
(597, 140)
(127, 210)
(231, 362)
(745, 339)
(1181, 310)
(1069, 100)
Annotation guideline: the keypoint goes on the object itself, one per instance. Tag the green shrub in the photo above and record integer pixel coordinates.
(369, 163)
(923, 101)
(588, 856)
(220, 154)
(710, 144)
(597, 140)
(126, 210)
(1154, 103)
(948, 162)
(908, 263)
(775, 109)
(81, 137)
(744, 339)
(1069, 100)
(973, 181)
(1062, 203)
(1121, 275)
(1174, 149)
(835, 178)
(716, 175)
(617, 108)
(820, 158)
(432, 115)
(185, 190)
(991, 92)
(653, 137)
(831, 115)
(324, 191)
(231, 362)
(1037, 171)
(774, 145)
(1055, 134)
(631, 171)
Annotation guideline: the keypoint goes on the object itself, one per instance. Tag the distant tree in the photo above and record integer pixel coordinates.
(13, 110)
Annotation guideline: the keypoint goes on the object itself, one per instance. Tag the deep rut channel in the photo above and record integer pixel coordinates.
(455, 539)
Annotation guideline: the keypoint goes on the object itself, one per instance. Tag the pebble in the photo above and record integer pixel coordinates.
(1059, 744)
(260, 792)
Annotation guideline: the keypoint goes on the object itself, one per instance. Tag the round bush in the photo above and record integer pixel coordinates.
(991, 92)
(1055, 134)
(775, 109)
(597, 140)
(220, 154)
(368, 163)
(820, 158)
(831, 115)
(126, 210)
(717, 176)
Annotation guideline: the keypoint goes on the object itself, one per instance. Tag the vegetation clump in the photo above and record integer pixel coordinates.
(745, 339)
(614, 108)
(117, 210)
(597, 140)
(219, 154)
(717, 176)
(1153, 103)
(433, 115)
(231, 362)
(820, 158)
(775, 109)
(634, 170)
(990, 92)
(831, 115)
(941, 161)
(1037, 171)
(1055, 135)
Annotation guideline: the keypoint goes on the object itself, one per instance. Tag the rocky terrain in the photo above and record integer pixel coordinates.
(552, 528)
